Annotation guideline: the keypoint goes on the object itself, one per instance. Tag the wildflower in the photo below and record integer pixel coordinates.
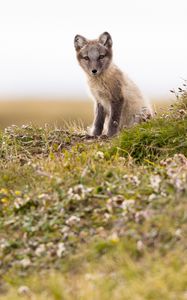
(114, 238)
(24, 290)
(79, 192)
(132, 179)
(135, 180)
(19, 202)
(142, 215)
(99, 155)
(128, 204)
(25, 263)
(182, 111)
(152, 197)
(18, 193)
(4, 244)
(41, 196)
(176, 168)
(178, 233)
(25, 126)
(65, 229)
(115, 201)
(155, 181)
(4, 200)
(73, 220)
(60, 250)
(40, 250)
(140, 245)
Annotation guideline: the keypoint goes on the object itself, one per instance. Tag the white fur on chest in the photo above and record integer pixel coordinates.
(102, 95)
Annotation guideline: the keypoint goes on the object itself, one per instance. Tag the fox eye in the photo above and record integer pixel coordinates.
(101, 56)
(86, 57)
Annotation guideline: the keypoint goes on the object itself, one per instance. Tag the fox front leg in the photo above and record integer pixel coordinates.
(100, 115)
(115, 116)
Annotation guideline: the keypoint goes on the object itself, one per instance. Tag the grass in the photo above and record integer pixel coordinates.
(45, 111)
(153, 140)
(94, 219)
(54, 111)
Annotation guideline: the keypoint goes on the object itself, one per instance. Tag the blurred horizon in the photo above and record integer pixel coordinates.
(37, 56)
(54, 112)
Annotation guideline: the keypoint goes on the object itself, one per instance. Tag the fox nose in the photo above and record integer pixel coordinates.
(94, 71)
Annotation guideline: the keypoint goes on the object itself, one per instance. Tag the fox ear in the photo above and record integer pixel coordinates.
(79, 42)
(105, 39)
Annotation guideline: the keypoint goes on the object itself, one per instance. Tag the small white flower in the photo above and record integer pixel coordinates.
(79, 192)
(179, 184)
(115, 201)
(178, 233)
(142, 215)
(135, 180)
(19, 202)
(73, 220)
(24, 126)
(163, 194)
(25, 263)
(99, 155)
(182, 111)
(40, 250)
(60, 250)
(152, 197)
(65, 229)
(155, 181)
(24, 290)
(132, 179)
(114, 238)
(107, 216)
(4, 244)
(128, 204)
(140, 245)
(43, 196)
(75, 196)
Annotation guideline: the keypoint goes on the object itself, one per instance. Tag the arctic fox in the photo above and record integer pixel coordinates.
(119, 102)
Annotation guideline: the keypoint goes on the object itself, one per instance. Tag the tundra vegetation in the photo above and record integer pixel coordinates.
(95, 219)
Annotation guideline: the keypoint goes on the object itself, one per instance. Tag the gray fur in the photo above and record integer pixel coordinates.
(118, 99)
(79, 42)
(105, 39)
(100, 115)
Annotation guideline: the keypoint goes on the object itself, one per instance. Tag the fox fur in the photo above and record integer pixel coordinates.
(118, 101)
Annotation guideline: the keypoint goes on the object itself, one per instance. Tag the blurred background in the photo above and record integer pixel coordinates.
(40, 79)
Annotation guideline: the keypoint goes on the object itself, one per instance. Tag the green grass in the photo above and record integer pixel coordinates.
(94, 219)
(153, 140)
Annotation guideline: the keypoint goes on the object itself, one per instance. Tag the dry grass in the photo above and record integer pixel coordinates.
(56, 112)
(44, 111)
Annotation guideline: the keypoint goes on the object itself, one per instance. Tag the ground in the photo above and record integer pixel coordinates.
(95, 219)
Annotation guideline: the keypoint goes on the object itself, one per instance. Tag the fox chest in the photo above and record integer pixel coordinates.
(103, 96)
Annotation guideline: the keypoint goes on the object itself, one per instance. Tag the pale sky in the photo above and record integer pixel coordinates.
(37, 56)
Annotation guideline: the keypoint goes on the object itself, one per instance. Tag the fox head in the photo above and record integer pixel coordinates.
(94, 56)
